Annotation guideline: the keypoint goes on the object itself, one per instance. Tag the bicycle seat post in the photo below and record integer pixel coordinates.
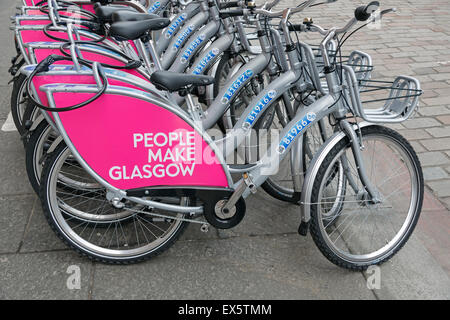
(194, 109)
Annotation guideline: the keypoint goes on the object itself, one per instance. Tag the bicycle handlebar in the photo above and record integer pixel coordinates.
(270, 14)
(362, 13)
(272, 4)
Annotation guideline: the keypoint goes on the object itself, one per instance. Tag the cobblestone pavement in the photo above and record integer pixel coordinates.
(262, 258)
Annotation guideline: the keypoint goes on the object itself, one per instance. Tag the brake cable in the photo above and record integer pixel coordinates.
(44, 65)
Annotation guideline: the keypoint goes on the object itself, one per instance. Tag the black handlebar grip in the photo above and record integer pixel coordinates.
(296, 27)
(231, 13)
(229, 4)
(133, 64)
(93, 26)
(44, 64)
(364, 12)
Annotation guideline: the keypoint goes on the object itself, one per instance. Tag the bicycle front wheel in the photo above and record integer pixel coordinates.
(367, 233)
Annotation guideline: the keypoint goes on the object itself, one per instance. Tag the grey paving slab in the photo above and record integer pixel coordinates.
(7, 49)
(261, 267)
(440, 132)
(39, 236)
(434, 173)
(266, 215)
(417, 146)
(14, 215)
(444, 119)
(434, 159)
(13, 174)
(413, 274)
(43, 276)
(441, 144)
(441, 188)
(433, 111)
(414, 134)
(5, 97)
(419, 123)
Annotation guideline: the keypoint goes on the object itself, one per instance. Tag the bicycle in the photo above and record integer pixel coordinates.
(220, 200)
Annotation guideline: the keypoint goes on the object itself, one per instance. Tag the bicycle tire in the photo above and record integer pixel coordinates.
(316, 225)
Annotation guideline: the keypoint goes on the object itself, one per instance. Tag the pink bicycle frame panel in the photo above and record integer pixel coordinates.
(131, 140)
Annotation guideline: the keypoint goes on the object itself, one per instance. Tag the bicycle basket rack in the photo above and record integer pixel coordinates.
(401, 101)
(360, 62)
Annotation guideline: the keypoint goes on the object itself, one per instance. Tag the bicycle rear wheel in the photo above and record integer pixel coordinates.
(19, 103)
(88, 223)
(367, 233)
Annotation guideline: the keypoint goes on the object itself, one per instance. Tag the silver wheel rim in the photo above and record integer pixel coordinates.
(21, 106)
(123, 250)
(349, 248)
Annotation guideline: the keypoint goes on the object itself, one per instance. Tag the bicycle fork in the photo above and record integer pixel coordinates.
(367, 190)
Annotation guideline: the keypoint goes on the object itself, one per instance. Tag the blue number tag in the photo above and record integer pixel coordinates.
(295, 131)
(175, 25)
(194, 45)
(154, 7)
(182, 37)
(260, 106)
(205, 61)
(236, 85)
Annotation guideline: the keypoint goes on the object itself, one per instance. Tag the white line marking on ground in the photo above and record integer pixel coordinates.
(9, 125)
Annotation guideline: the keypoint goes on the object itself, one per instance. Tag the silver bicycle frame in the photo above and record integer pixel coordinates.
(184, 34)
(306, 117)
(166, 35)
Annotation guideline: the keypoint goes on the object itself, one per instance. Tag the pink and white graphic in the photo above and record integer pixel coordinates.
(133, 144)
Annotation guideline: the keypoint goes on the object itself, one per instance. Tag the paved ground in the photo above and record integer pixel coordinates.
(263, 257)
